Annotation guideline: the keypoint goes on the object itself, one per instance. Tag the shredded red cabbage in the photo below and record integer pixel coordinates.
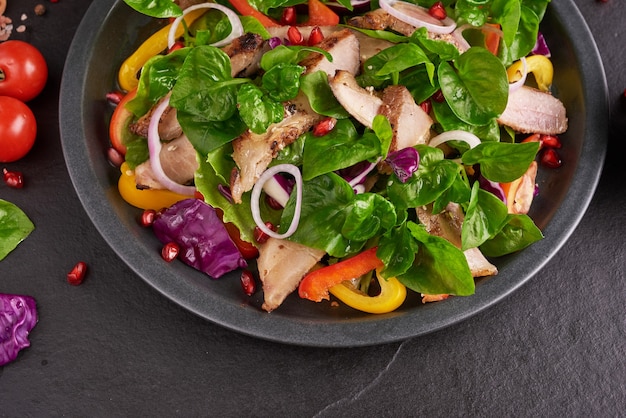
(404, 163)
(492, 187)
(541, 47)
(203, 240)
(18, 316)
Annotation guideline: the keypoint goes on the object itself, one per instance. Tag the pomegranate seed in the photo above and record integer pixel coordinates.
(273, 203)
(198, 195)
(294, 36)
(170, 251)
(14, 179)
(426, 106)
(439, 97)
(260, 236)
(438, 11)
(550, 141)
(147, 217)
(177, 45)
(115, 158)
(114, 97)
(550, 158)
(77, 274)
(248, 284)
(288, 17)
(316, 36)
(324, 127)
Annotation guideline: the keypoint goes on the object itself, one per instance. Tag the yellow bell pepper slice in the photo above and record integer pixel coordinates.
(391, 297)
(539, 65)
(144, 199)
(154, 45)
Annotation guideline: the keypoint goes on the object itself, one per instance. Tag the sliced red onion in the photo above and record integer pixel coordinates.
(154, 146)
(235, 23)
(277, 188)
(417, 16)
(457, 34)
(541, 47)
(404, 163)
(519, 83)
(256, 195)
(361, 176)
(455, 135)
(274, 42)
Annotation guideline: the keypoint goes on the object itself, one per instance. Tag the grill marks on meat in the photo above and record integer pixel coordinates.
(179, 162)
(245, 54)
(254, 152)
(343, 46)
(282, 264)
(447, 225)
(532, 111)
(410, 124)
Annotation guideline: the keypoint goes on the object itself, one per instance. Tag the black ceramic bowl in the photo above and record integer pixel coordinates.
(109, 32)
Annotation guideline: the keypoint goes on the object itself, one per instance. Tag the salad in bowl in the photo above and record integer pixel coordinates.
(364, 150)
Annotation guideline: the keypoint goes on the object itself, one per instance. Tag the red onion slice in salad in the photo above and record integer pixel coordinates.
(455, 135)
(417, 16)
(235, 23)
(154, 147)
(256, 195)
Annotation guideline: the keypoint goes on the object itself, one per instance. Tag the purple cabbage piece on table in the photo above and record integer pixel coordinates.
(18, 316)
(203, 240)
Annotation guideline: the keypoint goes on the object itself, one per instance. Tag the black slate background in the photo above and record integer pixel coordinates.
(115, 347)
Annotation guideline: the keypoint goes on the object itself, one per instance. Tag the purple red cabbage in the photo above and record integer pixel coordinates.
(18, 316)
(492, 187)
(404, 163)
(201, 236)
(541, 47)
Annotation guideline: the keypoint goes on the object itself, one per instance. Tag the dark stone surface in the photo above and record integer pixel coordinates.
(115, 347)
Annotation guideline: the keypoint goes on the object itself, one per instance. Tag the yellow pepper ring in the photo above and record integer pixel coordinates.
(144, 199)
(392, 295)
(539, 65)
(154, 45)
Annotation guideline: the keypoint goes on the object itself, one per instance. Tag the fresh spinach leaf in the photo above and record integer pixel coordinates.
(257, 110)
(14, 227)
(518, 233)
(501, 161)
(156, 8)
(321, 98)
(282, 81)
(484, 218)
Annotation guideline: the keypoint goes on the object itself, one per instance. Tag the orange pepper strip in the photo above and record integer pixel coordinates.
(492, 39)
(244, 8)
(314, 286)
(320, 15)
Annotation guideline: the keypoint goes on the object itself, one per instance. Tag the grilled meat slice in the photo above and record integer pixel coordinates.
(361, 103)
(179, 162)
(245, 54)
(282, 264)
(447, 225)
(410, 124)
(254, 152)
(343, 46)
(533, 111)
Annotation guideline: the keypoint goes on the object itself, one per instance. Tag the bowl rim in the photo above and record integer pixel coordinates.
(328, 332)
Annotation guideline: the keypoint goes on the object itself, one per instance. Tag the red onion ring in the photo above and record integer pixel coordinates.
(455, 135)
(256, 196)
(154, 147)
(424, 20)
(235, 23)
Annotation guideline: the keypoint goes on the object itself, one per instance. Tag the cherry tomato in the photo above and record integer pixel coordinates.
(119, 133)
(23, 70)
(18, 129)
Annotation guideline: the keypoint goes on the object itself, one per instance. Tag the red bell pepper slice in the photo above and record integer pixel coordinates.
(321, 15)
(245, 9)
(314, 286)
(118, 127)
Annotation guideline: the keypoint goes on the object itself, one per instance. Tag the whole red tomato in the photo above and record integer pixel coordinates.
(23, 70)
(18, 129)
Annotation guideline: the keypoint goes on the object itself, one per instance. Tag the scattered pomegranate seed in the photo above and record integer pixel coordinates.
(438, 11)
(260, 236)
(288, 17)
(14, 179)
(550, 141)
(316, 36)
(294, 36)
(170, 251)
(147, 217)
(426, 106)
(77, 274)
(248, 283)
(324, 126)
(550, 158)
(114, 157)
(114, 97)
